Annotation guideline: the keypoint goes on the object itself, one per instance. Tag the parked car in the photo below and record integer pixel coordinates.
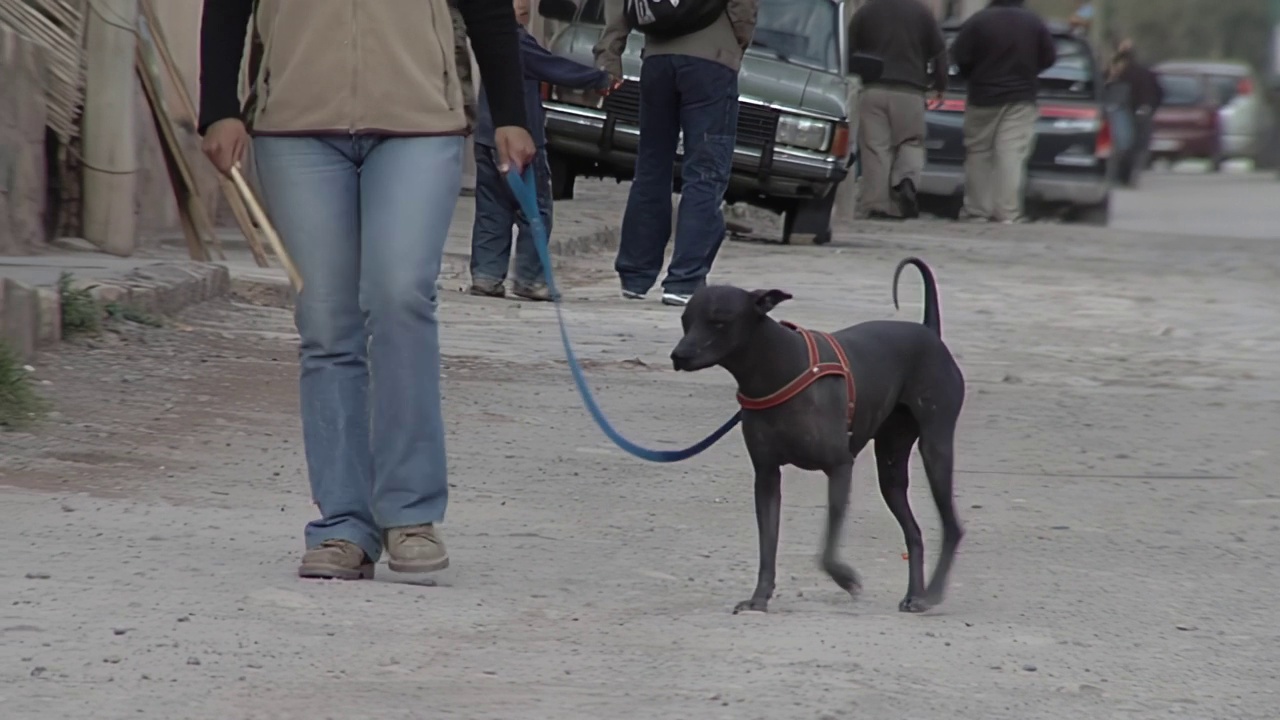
(1069, 173)
(796, 133)
(1187, 124)
(1213, 110)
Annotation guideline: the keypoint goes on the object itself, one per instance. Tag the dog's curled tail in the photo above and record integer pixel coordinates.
(932, 316)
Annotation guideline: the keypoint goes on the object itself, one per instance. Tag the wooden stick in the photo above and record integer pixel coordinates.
(260, 217)
(238, 209)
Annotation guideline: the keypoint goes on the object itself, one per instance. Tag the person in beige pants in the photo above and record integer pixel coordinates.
(891, 125)
(998, 142)
(1001, 52)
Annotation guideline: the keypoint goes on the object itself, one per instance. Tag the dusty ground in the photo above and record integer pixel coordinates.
(1116, 476)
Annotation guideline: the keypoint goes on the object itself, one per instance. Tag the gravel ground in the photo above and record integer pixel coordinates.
(1115, 475)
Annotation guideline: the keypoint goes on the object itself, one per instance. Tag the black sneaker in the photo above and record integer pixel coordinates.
(908, 201)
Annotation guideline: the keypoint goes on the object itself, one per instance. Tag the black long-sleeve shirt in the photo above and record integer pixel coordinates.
(1001, 51)
(491, 27)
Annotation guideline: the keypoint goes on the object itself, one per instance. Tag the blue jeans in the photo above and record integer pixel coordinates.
(496, 211)
(365, 220)
(699, 97)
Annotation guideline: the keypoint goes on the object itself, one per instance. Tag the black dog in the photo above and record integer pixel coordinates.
(802, 407)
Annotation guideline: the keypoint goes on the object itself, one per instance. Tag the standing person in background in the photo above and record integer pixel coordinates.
(462, 57)
(358, 139)
(1145, 97)
(689, 85)
(1001, 52)
(891, 125)
(496, 206)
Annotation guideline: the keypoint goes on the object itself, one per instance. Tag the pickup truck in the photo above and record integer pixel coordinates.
(796, 136)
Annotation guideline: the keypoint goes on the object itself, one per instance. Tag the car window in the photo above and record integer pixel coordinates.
(1072, 76)
(1226, 86)
(801, 31)
(1181, 90)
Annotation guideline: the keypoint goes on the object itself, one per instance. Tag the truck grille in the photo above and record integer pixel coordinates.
(757, 125)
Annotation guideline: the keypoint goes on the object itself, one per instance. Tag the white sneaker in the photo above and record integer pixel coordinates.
(675, 299)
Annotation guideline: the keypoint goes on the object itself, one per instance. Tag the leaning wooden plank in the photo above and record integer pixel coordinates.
(200, 215)
(182, 188)
(161, 47)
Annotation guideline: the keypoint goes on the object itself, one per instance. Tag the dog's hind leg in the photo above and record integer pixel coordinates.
(839, 482)
(893, 452)
(937, 449)
(768, 518)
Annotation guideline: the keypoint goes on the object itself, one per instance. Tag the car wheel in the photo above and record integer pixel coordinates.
(563, 178)
(810, 219)
(1098, 215)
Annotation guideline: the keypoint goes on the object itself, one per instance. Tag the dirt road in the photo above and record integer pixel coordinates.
(1116, 478)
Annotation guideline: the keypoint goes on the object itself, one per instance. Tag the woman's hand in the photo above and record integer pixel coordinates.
(225, 143)
(515, 148)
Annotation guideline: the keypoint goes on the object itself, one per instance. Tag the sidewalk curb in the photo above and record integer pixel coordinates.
(31, 317)
(270, 287)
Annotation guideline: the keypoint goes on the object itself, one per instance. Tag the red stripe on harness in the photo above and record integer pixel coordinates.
(817, 369)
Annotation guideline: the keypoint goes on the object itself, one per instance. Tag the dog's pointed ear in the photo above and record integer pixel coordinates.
(766, 300)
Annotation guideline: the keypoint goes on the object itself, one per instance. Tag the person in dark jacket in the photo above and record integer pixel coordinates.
(358, 130)
(496, 206)
(891, 125)
(1145, 97)
(1001, 52)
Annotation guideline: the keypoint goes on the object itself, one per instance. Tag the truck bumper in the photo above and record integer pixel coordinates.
(769, 173)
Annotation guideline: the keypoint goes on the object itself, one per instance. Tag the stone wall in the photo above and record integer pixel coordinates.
(22, 142)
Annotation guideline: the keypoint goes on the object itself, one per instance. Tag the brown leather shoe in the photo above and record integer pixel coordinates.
(336, 560)
(416, 549)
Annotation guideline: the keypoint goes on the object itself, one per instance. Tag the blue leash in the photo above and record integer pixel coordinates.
(526, 192)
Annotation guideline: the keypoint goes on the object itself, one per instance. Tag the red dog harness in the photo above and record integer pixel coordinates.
(817, 369)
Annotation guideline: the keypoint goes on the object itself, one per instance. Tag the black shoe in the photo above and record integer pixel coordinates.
(880, 215)
(908, 202)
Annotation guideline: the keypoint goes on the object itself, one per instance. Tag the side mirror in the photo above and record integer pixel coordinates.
(561, 10)
(867, 67)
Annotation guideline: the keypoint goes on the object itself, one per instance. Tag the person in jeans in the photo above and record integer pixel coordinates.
(358, 140)
(689, 85)
(1001, 52)
(496, 206)
(891, 125)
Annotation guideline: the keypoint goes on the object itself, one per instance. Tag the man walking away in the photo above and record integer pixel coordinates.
(688, 84)
(1001, 52)
(891, 124)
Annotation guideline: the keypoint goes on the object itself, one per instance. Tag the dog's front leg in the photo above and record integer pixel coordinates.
(839, 482)
(768, 517)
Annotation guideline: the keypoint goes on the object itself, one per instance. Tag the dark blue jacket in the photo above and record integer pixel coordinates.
(540, 65)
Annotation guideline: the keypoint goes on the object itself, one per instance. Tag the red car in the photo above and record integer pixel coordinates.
(1187, 125)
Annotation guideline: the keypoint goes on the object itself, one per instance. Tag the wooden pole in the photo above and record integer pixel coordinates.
(260, 217)
(109, 136)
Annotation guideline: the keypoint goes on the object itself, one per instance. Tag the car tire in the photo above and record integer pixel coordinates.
(1098, 215)
(563, 178)
(810, 217)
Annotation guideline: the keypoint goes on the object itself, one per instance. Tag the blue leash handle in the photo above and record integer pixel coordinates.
(526, 192)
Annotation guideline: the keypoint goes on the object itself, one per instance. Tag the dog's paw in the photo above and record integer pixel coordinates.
(913, 604)
(754, 605)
